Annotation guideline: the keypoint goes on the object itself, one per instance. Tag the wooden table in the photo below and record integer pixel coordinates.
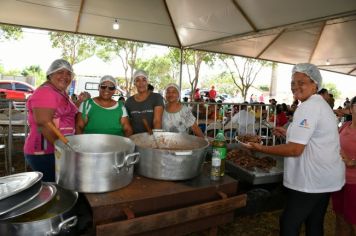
(154, 207)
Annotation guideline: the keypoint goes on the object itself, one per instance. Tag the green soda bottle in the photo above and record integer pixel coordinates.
(219, 156)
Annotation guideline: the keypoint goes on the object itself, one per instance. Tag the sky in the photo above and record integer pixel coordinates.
(35, 49)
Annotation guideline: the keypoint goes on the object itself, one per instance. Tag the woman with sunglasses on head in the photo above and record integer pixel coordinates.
(102, 114)
(49, 104)
(144, 104)
(313, 168)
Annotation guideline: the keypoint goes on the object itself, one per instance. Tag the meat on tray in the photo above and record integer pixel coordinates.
(249, 162)
(249, 138)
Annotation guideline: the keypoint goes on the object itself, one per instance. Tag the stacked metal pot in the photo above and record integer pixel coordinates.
(29, 206)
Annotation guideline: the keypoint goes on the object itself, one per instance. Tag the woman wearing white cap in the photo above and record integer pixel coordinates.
(102, 114)
(144, 105)
(176, 117)
(312, 164)
(49, 103)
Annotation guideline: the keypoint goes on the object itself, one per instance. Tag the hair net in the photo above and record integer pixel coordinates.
(108, 78)
(58, 65)
(140, 73)
(310, 70)
(174, 86)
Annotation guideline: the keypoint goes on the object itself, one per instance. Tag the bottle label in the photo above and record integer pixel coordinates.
(215, 161)
(219, 152)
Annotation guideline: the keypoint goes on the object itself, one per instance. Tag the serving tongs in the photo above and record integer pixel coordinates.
(150, 131)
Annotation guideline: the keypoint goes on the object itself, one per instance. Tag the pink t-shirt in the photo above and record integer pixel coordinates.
(47, 96)
(348, 146)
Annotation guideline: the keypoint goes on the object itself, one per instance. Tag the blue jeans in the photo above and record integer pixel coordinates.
(42, 163)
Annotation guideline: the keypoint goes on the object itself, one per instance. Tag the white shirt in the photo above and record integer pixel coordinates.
(178, 122)
(246, 121)
(319, 168)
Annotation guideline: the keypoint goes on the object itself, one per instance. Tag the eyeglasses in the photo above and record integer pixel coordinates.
(111, 88)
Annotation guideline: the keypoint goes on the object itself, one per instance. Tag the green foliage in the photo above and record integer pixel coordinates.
(243, 71)
(126, 51)
(193, 60)
(35, 71)
(159, 71)
(8, 32)
(332, 89)
(75, 47)
(264, 88)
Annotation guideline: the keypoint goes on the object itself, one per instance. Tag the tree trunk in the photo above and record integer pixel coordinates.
(273, 83)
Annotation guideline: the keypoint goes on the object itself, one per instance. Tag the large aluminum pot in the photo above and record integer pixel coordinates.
(177, 157)
(98, 163)
(56, 217)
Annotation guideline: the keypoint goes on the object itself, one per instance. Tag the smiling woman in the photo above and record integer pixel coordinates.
(49, 104)
(102, 114)
(312, 166)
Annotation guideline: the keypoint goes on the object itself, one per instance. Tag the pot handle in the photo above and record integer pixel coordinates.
(65, 225)
(136, 158)
(183, 153)
(119, 166)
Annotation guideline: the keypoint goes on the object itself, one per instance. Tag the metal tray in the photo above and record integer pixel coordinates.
(257, 176)
(13, 184)
(46, 194)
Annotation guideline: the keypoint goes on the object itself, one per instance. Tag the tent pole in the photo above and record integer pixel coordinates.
(181, 69)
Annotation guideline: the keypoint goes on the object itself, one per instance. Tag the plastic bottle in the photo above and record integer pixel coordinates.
(218, 157)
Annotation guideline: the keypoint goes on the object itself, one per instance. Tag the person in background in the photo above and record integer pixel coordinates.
(49, 103)
(281, 116)
(102, 114)
(150, 87)
(212, 93)
(332, 100)
(177, 117)
(197, 96)
(245, 120)
(312, 164)
(325, 94)
(144, 104)
(343, 201)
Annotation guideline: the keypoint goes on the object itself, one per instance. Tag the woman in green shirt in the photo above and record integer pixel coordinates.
(102, 114)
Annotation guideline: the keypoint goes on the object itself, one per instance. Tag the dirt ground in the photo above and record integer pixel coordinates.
(266, 224)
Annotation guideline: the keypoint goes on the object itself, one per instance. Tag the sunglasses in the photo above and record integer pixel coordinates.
(111, 88)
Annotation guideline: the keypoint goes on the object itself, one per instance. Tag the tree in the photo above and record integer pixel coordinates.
(75, 47)
(332, 89)
(193, 60)
(159, 71)
(126, 51)
(242, 71)
(35, 71)
(9, 32)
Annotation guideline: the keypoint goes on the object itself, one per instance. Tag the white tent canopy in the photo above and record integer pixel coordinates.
(322, 32)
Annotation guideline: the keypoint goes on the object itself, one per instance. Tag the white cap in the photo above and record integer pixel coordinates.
(108, 78)
(311, 71)
(140, 73)
(58, 65)
(173, 85)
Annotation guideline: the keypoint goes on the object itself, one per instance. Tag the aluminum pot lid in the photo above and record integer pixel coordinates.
(13, 184)
(48, 191)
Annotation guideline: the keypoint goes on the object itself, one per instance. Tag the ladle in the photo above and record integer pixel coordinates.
(60, 135)
(149, 131)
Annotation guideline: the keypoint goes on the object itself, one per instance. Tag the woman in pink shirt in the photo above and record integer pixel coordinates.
(49, 103)
(344, 203)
